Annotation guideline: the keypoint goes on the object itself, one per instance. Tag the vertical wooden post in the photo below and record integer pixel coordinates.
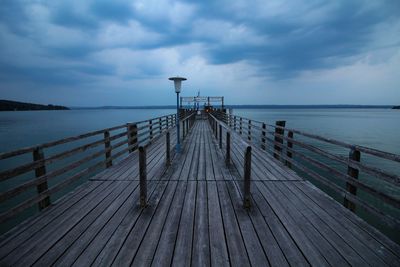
(167, 122)
(160, 124)
(278, 139)
(184, 129)
(247, 178)
(38, 155)
(240, 125)
(249, 131)
(228, 148)
(289, 154)
(263, 135)
(168, 148)
(354, 155)
(143, 176)
(107, 146)
(150, 130)
(234, 123)
(132, 137)
(220, 136)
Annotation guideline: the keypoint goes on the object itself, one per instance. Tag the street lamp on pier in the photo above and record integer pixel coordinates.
(177, 83)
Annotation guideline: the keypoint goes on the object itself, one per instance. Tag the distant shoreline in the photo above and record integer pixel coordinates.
(247, 107)
(8, 105)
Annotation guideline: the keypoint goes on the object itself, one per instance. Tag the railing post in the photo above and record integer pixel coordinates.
(132, 137)
(38, 154)
(150, 130)
(240, 125)
(234, 123)
(220, 136)
(167, 122)
(278, 139)
(143, 176)
(247, 178)
(354, 155)
(160, 125)
(289, 154)
(249, 131)
(107, 146)
(228, 148)
(263, 135)
(183, 130)
(168, 147)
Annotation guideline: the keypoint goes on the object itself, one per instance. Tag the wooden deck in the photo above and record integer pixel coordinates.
(195, 217)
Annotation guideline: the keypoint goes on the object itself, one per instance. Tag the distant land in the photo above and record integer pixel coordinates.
(396, 107)
(8, 105)
(248, 107)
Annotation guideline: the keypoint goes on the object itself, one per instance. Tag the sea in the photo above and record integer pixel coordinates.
(377, 128)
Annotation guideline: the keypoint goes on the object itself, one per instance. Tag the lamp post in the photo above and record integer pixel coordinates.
(177, 83)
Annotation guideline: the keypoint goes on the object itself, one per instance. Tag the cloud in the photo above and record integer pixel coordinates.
(222, 46)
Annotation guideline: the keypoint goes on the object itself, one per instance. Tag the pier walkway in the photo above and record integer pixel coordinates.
(195, 216)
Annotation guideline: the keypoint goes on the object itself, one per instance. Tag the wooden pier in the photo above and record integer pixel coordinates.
(222, 201)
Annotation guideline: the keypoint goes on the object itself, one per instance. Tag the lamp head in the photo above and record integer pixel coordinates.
(177, 82)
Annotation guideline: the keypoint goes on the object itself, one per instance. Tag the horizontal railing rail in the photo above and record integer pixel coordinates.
(58, 164)
(306, 156)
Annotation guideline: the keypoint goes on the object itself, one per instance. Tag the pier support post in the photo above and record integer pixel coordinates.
(168, 149)
(263, 135)
(150, 130)
(107, 145)
(249, 130)
(220, 136)
(132, 137)
(228, 148)
(289, 154)
(234, 123)
(38, 155)
(354, 155)
(247, 178)
(143, 176)
(240, 125)
(279, 131)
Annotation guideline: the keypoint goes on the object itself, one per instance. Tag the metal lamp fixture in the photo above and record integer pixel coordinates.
(177, 83)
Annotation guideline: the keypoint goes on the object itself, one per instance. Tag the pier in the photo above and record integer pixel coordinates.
(231, 197)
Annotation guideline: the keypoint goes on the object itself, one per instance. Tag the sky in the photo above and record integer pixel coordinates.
(120, 52)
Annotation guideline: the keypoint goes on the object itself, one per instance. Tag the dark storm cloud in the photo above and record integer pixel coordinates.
(279, 40)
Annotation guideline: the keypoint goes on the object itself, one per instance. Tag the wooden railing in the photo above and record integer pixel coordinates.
(186, 124)
(226, 139)
(59, 164)
(306, 157)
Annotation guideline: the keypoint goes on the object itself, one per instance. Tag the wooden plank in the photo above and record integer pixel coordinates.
(165, 248)
(288, 244)
(93, 240)
(300, 223)
(236, 248)
(319, 222)
(183, 245)
(382, 245)
(218, 247)
(307, 246)
(78, 237)
(201, 242)
(46, 238)
(51, 216)
(145, 252)
(121, 237)
(351, 237)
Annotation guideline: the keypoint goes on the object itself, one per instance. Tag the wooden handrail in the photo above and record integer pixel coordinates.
(282, 147)
(136, 133)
